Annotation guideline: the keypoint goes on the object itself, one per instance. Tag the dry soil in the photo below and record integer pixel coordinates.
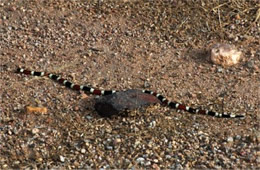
(161, 45)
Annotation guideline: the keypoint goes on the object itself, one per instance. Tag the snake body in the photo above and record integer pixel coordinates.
(91, 90)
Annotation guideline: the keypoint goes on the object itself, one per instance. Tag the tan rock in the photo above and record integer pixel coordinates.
(225, 55)
(42, 110)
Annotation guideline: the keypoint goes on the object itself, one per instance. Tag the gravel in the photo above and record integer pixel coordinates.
(160, 45)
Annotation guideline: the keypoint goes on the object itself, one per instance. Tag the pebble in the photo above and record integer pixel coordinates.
(39, 159)
(140, 160)
(76, 163)
(230, 139)
(148, 163)
(238, 137)
(35, 130)
(76, 108)
(16, 162)
(152, 124)
(168, 156)
(147, 84)
(9, 132)
(156, 160)
(250, 64)
(89, 117)
(62, 159)
(117, 140)
(220, 70)
(83, 150)
(109, 147)
(36, 29)
(232, 27)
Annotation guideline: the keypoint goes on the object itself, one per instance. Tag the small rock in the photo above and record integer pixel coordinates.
(118, 140)
(39, 159)
(9, 132)
(76, 163)
(76, 108)
(147, 84)
(83, 150)
(109, 147)
(30, 110)
(35, 130)
(250, 64)
(225, 55)
(232, 27)
(62, 159)
(140, 160)
(238, 17)
(168, 156)
(148, 163)
(155, 160)
(36, 29)
(152, 124)
(89, 117)
(16, 162)
(238, 137)
(230, 139)
(220, 70)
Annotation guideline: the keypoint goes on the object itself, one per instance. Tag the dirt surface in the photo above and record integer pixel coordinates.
(157, 45)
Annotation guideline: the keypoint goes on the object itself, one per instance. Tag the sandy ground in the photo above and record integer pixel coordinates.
(157, 45)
